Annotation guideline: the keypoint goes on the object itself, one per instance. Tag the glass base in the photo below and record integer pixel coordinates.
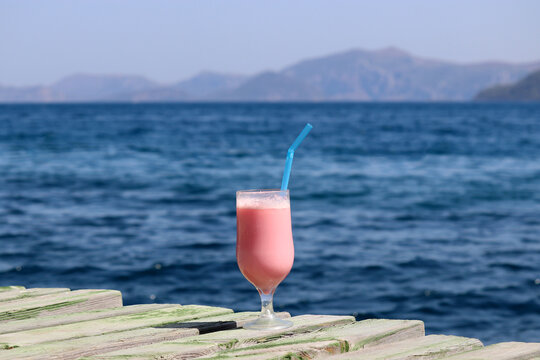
(268, 323)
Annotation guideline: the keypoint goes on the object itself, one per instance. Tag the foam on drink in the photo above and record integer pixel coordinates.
(270, 201)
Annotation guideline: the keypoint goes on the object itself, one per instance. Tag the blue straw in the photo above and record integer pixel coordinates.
(290, 155)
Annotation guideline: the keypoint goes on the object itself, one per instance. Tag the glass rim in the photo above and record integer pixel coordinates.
(261, 191)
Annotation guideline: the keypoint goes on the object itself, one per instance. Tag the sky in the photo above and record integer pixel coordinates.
(167, 41)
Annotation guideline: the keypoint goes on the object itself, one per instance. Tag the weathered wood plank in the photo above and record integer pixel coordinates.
(220, 322)
(212, 343)
(320, 349)
(427, 348)
(92, 345)
(63, 319)
(25, 293)
(149, 318)
(502, 351)
(59, 303)
(57, 323)
(10, 288)
(332, 340)
(375, 332)
(324, 349)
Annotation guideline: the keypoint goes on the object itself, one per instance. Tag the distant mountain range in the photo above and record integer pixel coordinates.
(358, 75)
(527, 89)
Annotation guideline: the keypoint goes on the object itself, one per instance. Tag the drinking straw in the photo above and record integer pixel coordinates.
(290, 155)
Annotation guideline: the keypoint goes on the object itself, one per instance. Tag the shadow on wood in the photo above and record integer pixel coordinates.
(203, 326)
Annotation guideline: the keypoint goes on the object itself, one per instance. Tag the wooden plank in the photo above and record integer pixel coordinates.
(10, 288)
(331, 340)
(324, 349)
(221, 322)
(25, 293)
(57, 323)
(53, 320)
(212, 343)
(502, 351)
(59, 303)
(92, 345)
(375, 332)
(149, 318)
(427, 348)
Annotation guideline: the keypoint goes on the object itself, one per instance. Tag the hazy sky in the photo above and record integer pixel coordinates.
(41, 41)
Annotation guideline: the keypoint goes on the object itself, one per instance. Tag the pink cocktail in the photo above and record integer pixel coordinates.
(264, 247)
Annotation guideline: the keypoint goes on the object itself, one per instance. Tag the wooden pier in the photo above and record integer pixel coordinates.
(92, 324)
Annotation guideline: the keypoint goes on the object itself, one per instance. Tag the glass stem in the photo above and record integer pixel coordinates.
(267, 304)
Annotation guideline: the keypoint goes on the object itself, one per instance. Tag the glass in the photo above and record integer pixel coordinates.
(264, 247)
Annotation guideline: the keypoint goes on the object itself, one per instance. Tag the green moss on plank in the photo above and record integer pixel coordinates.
(7, 288)
(228, 345)
(227, 356)
(188, 343)
(168, 312)
(115, 357)
(361, 344)
(268, 345)
(292, 356)
(284, 335)
(289, 356)
(32, 312)
(344, 346)
(122, 357)
(435, 349)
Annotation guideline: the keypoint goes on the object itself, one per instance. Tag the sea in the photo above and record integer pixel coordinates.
(425, 211)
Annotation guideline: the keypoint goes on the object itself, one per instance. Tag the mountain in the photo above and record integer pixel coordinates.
(78, 88)
(389, 74)
(206, 84)
(121, 88)
(271, 86)
(11, 94)
(86, 87)
(199, 87)
(384, 75)
(153, 94)
(526, 89)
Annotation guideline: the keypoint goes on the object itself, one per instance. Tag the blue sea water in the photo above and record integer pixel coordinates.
(412, 211)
